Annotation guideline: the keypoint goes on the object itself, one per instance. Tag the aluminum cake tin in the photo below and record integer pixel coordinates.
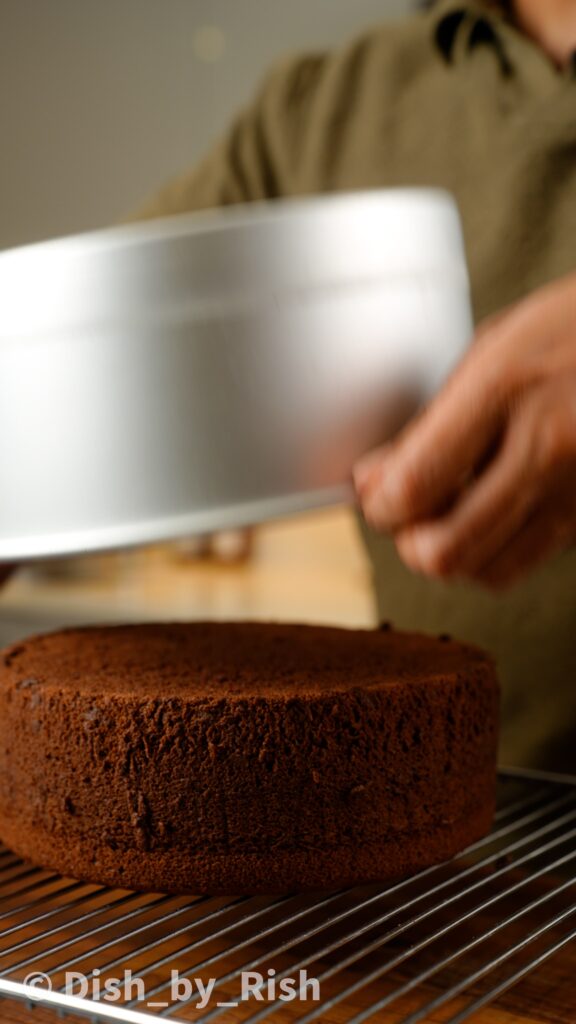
(217, 369)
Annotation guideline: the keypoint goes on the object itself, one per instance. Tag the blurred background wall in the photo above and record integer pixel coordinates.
(102, 100)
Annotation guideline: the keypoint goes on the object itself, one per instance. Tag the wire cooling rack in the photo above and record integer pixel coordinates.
(449, 941)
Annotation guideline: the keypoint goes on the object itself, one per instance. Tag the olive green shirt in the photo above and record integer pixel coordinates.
(454, 97)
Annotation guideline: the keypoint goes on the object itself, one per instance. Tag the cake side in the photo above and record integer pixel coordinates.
(269, 871)
(211, 789)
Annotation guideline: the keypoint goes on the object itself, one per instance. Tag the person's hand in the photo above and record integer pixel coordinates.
(483, 484)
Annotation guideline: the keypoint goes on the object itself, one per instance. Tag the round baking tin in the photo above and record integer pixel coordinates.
(211, 370)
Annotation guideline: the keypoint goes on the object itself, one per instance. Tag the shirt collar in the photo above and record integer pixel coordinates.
(461, 26)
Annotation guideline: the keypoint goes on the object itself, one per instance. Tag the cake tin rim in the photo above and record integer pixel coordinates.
(238, 215)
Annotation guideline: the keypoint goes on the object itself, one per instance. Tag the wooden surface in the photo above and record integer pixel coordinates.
(309, 569)
(12, 1013)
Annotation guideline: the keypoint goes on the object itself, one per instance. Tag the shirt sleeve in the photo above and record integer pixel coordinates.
(257, 159)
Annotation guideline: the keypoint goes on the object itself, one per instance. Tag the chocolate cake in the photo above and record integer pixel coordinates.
(244, 758)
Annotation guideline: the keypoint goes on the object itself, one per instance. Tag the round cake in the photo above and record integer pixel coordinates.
(244, 758)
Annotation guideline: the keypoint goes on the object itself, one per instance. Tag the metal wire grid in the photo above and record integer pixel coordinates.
(456, 936)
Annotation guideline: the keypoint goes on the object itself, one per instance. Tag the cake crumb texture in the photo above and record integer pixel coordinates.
(244, 757)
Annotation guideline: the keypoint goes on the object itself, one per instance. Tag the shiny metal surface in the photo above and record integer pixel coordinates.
(217, 369)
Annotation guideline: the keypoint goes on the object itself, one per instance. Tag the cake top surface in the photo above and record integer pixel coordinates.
(218, 660)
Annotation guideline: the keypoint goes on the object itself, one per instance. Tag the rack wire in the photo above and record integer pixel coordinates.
(452, 939)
